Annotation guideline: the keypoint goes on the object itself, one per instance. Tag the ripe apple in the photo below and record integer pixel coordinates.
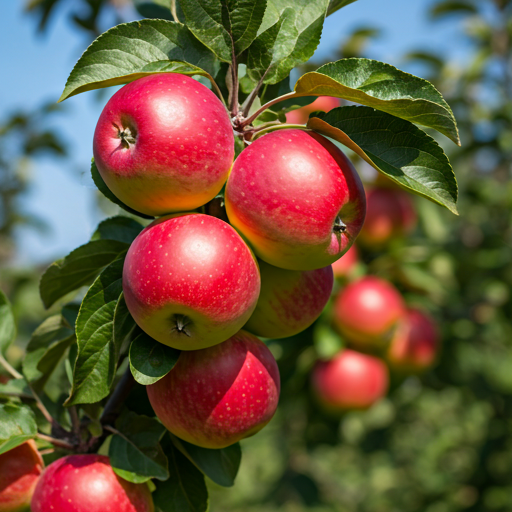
(190, 281)
(390, 213)
(19, 471)
(415, 344)
(367, 312)
(219, 395)
(164, 143)
(346, 264)
(87, 483)
(301, 115)
(290, 300)
(296, 198)
(350, 380)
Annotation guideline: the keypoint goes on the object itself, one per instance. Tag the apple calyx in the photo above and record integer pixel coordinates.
(180, 324)
(339, 225)
(127, 137)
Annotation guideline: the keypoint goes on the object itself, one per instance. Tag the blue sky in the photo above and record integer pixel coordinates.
(35, 68)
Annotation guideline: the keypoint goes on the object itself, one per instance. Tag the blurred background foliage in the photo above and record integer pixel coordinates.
(441, 441)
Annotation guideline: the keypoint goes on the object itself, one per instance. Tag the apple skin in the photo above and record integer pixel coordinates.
(351, 380)
(296, 198)
(20, 469)
(301, 115)
(87, 483)
(415, 344)
(346, 264)
(367, 312)
(190, 281)
(177, 148)
(290, 300)
(219, 395)
(390, 214)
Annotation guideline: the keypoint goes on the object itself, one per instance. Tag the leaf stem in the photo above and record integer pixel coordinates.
(267, 105)
(56, 442)
(246, 107)
(233, 107)
(9, 368)
(48, 417)
(75, 420)
(281, 126)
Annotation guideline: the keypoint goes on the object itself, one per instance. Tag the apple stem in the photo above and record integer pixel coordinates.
(56, 442)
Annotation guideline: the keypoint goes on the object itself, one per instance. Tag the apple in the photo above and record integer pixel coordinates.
(219, 395)
(301, 115)
(367, 312)
(296, 198)
(87, 483)
(19, 471)
(190, 281)
(290, 300)
(390, 213)
(346, 264)
(350, 380)
(164, 143)
(415, 344)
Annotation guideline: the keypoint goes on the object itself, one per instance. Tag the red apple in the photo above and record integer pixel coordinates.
(301, 115)
(296, 198)
(219, 395)
(87, 483)
(19, 471)
(390, 214)
(415, 344)
(290, 300)
(367, 312)
(164, 143)
(346, 264)
(350, 380)
(190, 281)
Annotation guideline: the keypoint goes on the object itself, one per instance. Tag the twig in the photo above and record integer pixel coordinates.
(75, 420)
(233, 107)
(9, 368)
(57, 442)
(42, 407)
(246, 107)
(118, 398)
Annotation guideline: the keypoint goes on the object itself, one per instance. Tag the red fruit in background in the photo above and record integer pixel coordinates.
(87, 483)
(296, 198)
(216, 396)
(350, 380)
(164, 143)
(367, 311)
(19, 471)
(390, 213)
(290, 300)
(301, 115)
(190, 281)
(415, 344)
(346, 264)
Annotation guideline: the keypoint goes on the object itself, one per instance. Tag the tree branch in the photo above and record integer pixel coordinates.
(57, 442)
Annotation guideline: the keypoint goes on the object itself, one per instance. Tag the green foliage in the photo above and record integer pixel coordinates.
(17, 425)
(7, 324)
(122, 229)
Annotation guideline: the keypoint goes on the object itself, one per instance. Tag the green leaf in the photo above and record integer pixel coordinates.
(383, 87)
(397, 148)
(449, 7)
(336, 5)
(122, 229)
(151, 360)
(221, 466)
(158, 9)
(185, 491)
(102, 187)
(124, 324)
(78, 268)
(224, 26)
(70, 313)
(135, 453)
(133, 50)
(96, 362)
(17, 425)
(7, 323)
(288, 36)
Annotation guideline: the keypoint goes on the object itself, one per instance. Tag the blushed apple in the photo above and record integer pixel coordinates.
(367, 312)
(164, 143)
(322, 103)
(350, 380)
(87, 483)
(290, 300)
(190, 281)
(296, 198)
(346, 264)
(219, 395)
(20, 469)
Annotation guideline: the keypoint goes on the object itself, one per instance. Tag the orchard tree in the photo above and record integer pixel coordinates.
(156, 382)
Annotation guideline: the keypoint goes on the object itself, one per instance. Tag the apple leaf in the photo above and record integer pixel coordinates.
(124, 324)
(78, 268)
(7, 323)
(396, 148)
(383, 87)
(158, 9)
(288, 36)
(135, 452)
(17, 425)
(186, 490)
(133, 50)
(221, 466)
(122, 229)
(450, 7)
(151, 360)
(96, 362)
(336, 5)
